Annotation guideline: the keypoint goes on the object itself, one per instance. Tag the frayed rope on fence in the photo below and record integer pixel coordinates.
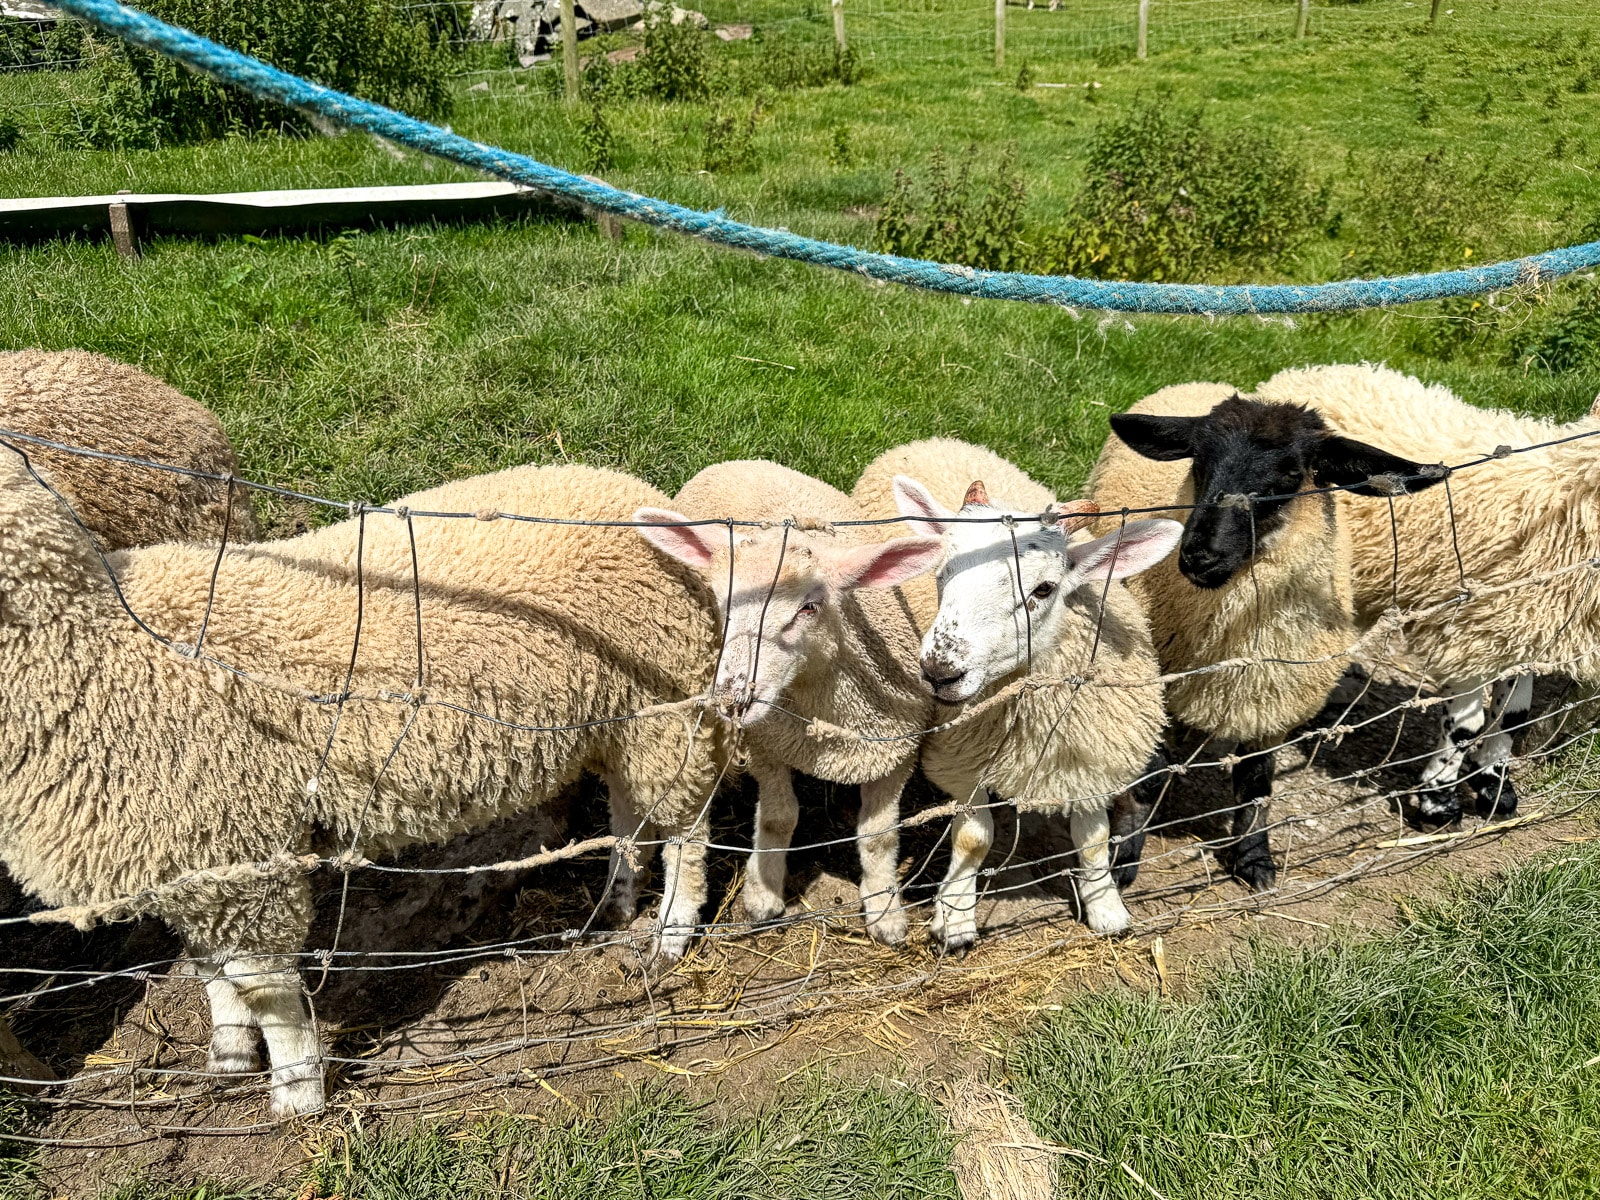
(326, 105)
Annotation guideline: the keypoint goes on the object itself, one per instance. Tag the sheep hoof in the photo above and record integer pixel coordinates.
(1257, 874)
(1107, 920)
(888, 926)
(296, 1098)
(1124, 874)
(1494, 793)
(761, 907)
(1438, 806)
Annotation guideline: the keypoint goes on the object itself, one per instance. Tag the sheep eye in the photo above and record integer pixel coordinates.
(1044, 591)
(808, 609)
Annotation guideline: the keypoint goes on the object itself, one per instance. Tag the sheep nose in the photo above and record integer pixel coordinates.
(940, 676)
(735, 695)
(1204, 566)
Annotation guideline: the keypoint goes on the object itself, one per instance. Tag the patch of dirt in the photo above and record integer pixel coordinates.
(477, 997)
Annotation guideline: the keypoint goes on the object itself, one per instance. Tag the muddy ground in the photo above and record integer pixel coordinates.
(431, 1018)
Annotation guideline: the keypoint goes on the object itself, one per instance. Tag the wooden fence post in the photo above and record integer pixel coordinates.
(122, 235)
(838, 26)
(1144, 28)
(1305, 19)
(1433, 15)
(569, 48)
(999, 34)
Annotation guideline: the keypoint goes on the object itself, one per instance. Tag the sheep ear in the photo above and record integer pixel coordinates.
(915, 500)
(1137, 546)
(691, 544)
(1165, 439)
(886, 564)
(1367, 470)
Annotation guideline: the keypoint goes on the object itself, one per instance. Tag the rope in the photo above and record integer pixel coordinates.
(325, 104)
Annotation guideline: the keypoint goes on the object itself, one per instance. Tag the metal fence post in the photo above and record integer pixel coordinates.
(1144, 28)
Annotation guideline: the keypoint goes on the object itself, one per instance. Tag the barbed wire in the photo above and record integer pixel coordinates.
(1027, 888)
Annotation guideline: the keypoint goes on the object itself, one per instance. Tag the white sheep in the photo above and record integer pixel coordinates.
(143, 778)
(818, 664)
(1029, 615)
(1517, 521)
(1263, 571)
(83, 399)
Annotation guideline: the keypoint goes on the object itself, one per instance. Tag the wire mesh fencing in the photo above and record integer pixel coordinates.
(464, 969)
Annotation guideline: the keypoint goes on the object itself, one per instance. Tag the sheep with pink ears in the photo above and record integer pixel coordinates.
(1040, 661)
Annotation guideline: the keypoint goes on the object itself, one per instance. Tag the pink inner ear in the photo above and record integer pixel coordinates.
(914, 500)
(691, 544)
(887, 565)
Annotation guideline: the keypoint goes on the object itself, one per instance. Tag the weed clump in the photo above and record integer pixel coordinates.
(956, 223)
(1167, 198)
(730, 141)
(1421, 213)
(381, 50)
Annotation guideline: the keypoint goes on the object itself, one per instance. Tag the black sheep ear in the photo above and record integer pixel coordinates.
(1369, 471)
(1165, 439)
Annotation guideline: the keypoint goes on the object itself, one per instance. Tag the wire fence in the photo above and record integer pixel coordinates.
(556, 990)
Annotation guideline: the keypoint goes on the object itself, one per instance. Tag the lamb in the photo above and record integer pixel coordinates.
(142, 776)
(83, 399)
(1020, 602)
(1263, 571)
(818, 664)
(1515, 520)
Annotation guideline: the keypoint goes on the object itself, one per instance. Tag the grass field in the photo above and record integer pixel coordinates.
(365, 367)
(1452, 1059)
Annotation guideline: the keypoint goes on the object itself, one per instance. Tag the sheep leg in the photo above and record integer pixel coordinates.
(1103, 910)
(1248, 856)
(777, 811)
(878, 840)
(1490, 779)
(629, 824)
(683, 860)
(234, 1032)
(1463, 721)
(268, 987)
(1130, 818)
(955, 907)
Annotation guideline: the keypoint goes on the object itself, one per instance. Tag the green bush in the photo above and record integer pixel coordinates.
(1167, 198)
(598, 141)
(957, 224)
(1421, 213)
(380, 50)
(1570, 342)
(730, 141)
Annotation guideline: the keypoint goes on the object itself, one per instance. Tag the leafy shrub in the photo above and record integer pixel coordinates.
(598, 142)
(676, 63)
(956, 224)
(1166, 198)
(840, 151)
(1571, 342)
(1421, 213)
(381, 50)
(682, 62)
(25, 44)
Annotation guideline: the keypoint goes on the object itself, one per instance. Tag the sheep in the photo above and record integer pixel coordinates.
(1019, 601)
(1263, 571)
(83, 399)
(816, 639)
(143, 777)
(1515, 520)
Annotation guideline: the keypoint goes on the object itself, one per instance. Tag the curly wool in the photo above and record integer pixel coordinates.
(89, 400)
(129, 765)
(872, 686)
(1518, 517)
(1293, 601)
(1058, 747)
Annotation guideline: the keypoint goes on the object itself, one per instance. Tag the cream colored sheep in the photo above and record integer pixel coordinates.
(1517, 520)
(1263, 571)
(1046, 609)
(83, 399)
(819, 653)
(132, 769)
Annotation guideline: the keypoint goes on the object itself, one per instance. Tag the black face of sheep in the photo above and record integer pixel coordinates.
(1250, 462)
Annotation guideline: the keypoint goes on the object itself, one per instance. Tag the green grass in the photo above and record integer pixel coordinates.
(403, 357)
(1453, 1059)
(825, 1141)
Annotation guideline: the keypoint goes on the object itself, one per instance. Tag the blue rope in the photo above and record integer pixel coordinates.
(1066, 291)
